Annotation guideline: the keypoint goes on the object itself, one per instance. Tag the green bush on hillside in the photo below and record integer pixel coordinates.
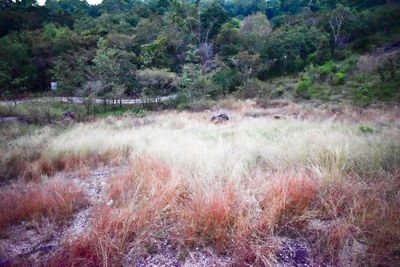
(364, 95)
(328, 68)
(303, 87)
(340, 79)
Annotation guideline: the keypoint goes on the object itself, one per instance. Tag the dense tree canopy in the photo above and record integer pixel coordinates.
(120, 44)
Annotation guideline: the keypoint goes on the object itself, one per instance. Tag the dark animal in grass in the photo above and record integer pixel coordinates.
(220, 118)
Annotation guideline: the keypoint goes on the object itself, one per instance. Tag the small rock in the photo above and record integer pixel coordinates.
(110, 202)
(279, 117)
(68, 115)
(220, 118)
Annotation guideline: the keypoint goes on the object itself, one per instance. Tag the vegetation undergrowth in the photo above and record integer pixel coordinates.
(246, 188)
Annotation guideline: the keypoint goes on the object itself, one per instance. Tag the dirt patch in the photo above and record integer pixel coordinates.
(167, 256)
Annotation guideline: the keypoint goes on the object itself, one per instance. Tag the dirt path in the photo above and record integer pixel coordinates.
(79, 100)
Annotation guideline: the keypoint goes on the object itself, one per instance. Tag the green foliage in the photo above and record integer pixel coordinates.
(278, 92)
(226, 80)
(328, 68)
(157, 82)
(153, 54)
(115, 69)
(303, 87)
(388, 90)
(364, 128)
(16, 68)
(349, 64)
(247, 64)
(252, 88)
(181, 101)
(213, 48)
(196, 85)
(291, 46)
(319, 92)
(228, 39)
(364, 95)
(255, 32)
(340, 78)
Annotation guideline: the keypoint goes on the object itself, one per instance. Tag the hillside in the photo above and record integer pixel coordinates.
(202, 50)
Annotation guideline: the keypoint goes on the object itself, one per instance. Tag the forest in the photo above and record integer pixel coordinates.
(201, 50)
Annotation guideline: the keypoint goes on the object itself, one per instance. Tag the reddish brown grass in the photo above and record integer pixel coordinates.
(33, 171)
(286, 197)
(141, 201)
(76, 162)
(364, 212)
(111, 232)
(208, 218)
(247, 221)
(56, 199)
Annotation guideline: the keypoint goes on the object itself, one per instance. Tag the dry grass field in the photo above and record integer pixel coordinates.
(285, 186)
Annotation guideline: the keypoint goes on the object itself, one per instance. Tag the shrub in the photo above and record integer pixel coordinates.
(349, 64)
(365, 128)
(303, 87)
(364, 95)
(328, 68)
(340, 78)
(181, 101)
(252, 88)
(280, 91)
(387, 90)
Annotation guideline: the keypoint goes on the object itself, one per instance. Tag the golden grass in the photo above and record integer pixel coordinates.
(242, 187)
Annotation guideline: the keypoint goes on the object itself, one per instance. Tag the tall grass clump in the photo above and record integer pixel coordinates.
(56, 199)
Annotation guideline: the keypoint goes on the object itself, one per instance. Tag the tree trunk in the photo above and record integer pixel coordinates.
(105, 105)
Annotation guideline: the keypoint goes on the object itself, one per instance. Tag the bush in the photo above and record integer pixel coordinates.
(364, 95)
(340, 78)
(328, 68)
(365, 128)
(349, 64)
(252, 88)
(280, 91)
(303, 87)
(388, 90)
(181, 101)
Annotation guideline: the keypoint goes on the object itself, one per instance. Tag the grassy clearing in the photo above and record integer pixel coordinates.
(244, 187)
